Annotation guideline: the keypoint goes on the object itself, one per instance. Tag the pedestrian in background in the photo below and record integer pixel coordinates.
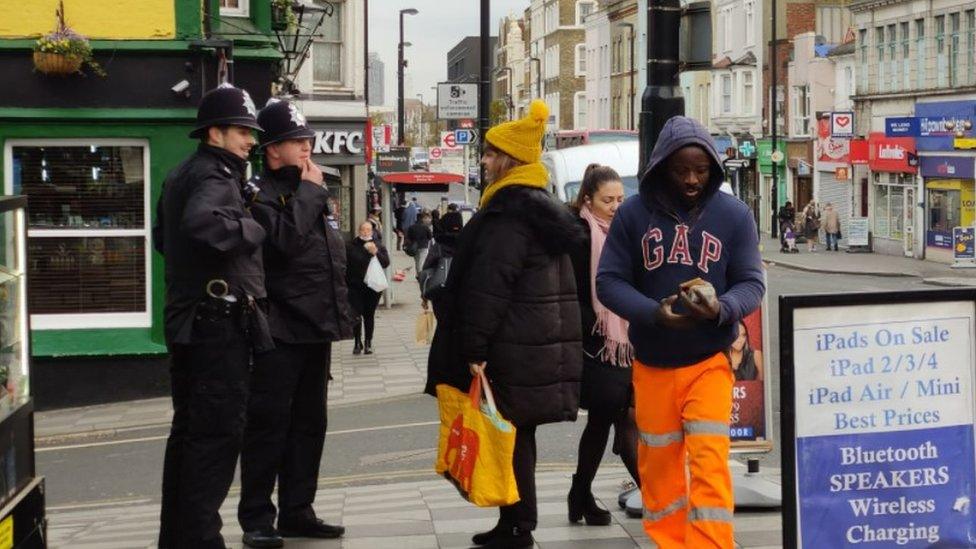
(605, 390)
(375, 219)
(511, 309)
(418, 240)
(399, 229)
(787, 221)
(443, 247)
(214, 316)
(305, 273)
(435, 217)
(410, 213)
(811, 225)
(831, 225)
(363, 299)
(682, 265)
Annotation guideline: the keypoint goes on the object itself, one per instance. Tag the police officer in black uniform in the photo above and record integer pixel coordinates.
(214, 320)
(305, 266)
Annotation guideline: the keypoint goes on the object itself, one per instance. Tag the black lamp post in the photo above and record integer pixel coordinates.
(662, 96)
(401, 63)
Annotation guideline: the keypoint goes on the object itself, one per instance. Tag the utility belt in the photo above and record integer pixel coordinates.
(251, 313)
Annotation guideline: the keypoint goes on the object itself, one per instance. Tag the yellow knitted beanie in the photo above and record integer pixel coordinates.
(522, 139)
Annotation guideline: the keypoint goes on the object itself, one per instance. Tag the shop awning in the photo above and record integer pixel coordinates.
(431, 182)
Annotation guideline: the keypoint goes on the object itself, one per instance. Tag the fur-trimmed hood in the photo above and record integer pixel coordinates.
(553, 222)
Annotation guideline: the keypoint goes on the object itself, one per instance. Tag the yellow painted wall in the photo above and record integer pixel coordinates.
(96, 19)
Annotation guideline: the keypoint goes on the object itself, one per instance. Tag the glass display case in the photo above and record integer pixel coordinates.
(22, 517)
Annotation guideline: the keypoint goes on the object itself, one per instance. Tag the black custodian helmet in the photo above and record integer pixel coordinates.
(225, 106)
(281, 121)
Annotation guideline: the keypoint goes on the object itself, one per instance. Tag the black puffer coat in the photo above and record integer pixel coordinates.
(511, 301)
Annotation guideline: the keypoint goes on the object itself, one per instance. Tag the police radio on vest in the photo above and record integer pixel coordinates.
(337, 142)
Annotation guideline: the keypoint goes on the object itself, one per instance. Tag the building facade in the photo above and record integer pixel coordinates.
(916, 104)
(597, 88)
(377, 80)
(622, 20)
(509, 77)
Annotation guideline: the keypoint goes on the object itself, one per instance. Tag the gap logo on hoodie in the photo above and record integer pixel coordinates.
(678, 251)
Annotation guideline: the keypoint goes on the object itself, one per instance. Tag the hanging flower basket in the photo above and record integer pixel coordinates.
(279, 18)
(282, 15)
(57, 64)
(63, 51)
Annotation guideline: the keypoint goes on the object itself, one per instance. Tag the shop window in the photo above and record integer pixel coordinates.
(234, 8)
(88, 230)
(944, 212)
(889, 204)
(327, 49)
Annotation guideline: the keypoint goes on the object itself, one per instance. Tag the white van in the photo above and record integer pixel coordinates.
(566, 166)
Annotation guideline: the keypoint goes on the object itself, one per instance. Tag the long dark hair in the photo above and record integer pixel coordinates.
(593, 178)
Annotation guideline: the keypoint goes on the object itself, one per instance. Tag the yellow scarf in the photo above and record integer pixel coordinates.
(532, 175)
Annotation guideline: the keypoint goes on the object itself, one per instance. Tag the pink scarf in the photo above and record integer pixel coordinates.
(617, 349)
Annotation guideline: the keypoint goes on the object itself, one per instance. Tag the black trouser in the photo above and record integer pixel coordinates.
(593, 443)
(209, 386)
(525, 513)
(286, 422)
(365, 304)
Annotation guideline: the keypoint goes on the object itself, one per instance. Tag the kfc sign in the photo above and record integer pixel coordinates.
(341, 142)
(891, 154)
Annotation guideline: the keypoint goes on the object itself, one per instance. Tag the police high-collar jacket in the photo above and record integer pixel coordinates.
(205, 232)
(304, 259)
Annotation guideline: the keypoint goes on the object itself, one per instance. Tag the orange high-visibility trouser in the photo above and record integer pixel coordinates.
(683, 416)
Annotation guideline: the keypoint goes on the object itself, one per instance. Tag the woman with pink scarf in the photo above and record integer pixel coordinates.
(605, 390)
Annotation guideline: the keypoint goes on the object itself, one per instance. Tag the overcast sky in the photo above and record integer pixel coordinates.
(439, 26)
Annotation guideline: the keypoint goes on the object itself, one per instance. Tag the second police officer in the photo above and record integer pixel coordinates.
(305, 264)
(214, 321)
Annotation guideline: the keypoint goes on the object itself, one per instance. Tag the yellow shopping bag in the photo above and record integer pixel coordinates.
(474, 450)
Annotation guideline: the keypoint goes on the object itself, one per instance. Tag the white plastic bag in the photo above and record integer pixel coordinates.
(375, 277)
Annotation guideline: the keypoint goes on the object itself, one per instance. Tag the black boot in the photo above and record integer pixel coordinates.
(485, 537)
(583, 506)
(369, 347)
(511, 538)
(357, 347)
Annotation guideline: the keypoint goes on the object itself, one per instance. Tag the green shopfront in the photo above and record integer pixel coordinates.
(91, 154)
(765, 161)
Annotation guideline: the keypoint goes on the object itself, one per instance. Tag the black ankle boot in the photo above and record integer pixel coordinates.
(484, 537)
(583, 506)
(369, 347)
(511, 537)
(358, 347)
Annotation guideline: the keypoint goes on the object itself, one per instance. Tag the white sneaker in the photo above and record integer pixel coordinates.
(629, 488)
(635, 505)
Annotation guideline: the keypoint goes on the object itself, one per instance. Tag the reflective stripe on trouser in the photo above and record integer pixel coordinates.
(683, 417)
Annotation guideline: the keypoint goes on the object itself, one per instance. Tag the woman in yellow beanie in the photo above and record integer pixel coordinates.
(511, 308)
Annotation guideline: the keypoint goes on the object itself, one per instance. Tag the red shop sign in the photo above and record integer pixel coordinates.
(890, 154)
(859, 151)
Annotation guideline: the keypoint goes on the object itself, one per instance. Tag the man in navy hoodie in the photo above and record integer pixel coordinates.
(678, 229)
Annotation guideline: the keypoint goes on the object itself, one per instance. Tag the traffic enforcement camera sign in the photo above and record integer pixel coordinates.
(457, 101)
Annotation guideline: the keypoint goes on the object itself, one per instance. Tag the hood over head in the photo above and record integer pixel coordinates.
(678, 132)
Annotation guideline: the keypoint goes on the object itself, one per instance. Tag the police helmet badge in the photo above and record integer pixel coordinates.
(296, 115)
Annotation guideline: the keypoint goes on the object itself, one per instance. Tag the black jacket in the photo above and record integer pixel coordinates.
(511, 301)
(358, 261)
(420, 235)
(304, 260)
(205, 232)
